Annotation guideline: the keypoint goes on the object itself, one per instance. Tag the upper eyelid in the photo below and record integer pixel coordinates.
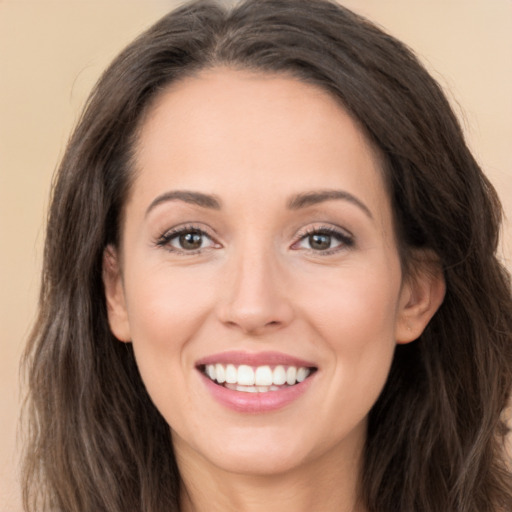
(165, 241)
(180, 228)
(165, 238)
(299, 235)
(329, 228)
(345, 237)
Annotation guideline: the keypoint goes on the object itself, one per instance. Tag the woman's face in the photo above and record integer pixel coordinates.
(258, 247)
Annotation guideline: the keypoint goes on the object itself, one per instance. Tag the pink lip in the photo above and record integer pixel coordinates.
(240, 401)
(254, 359)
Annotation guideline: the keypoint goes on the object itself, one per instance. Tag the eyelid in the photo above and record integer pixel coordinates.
(346, 238)
(170, 234)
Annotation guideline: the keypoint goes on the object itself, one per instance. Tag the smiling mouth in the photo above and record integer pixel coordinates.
(256, 379)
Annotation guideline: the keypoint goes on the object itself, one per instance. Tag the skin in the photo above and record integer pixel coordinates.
(258, 284)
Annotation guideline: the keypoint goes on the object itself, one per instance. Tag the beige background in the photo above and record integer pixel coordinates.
(51, 52)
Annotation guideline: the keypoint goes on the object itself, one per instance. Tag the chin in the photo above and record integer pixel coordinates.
(252, 452)
(260, 462)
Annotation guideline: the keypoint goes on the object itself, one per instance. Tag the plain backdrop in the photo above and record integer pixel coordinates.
(51, 53)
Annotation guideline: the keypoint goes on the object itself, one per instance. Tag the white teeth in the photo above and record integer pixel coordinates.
(210, 371)
(279, 376)
(231, 374)
(245, 375)
(247, 389)
(291, 375)
(220, 373)
(260, 378)
(263, 376)
(252, 389)
(302, 373)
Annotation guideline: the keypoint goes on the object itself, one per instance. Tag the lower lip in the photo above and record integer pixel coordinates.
(242, 401)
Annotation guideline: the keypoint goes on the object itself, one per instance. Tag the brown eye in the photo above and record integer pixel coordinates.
(190, 241)
(320, 241)
(186, 240)
(324, 241)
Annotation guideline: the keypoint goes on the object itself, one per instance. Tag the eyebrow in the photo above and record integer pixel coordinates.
(319, 196)
(196, 198)
(296, 202)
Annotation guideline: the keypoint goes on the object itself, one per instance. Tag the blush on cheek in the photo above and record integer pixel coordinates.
(159, 369)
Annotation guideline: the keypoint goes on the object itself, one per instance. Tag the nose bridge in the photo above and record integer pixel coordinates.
(256, 298)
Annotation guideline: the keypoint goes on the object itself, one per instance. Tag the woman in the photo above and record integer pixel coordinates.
(270, 281)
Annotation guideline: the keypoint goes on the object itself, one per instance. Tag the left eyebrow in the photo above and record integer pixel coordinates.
(319, 196)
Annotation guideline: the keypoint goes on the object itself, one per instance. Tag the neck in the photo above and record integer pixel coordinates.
(326, 485)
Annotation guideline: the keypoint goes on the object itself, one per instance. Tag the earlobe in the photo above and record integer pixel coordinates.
(114, 295)
(421, 296)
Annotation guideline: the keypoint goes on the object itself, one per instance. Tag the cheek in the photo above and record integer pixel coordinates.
(164, 304)
(165, 313)
(355, 321)
(361, 305)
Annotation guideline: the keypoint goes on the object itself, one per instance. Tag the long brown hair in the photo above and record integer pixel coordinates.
(436, 435)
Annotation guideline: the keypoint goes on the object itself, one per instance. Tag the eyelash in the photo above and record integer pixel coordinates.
(345, 239)
(166, 239)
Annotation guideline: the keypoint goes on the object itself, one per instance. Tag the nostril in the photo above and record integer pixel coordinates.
(253, 324)
(252, 301)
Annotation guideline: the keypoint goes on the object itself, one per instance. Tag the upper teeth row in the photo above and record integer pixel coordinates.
(245, 375)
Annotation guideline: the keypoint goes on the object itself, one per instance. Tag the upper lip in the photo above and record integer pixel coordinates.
(255, 359)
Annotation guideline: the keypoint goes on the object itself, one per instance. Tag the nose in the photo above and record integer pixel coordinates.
(256, 298)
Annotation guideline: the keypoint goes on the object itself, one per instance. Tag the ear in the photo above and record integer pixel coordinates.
(421, 295)
(114, 295)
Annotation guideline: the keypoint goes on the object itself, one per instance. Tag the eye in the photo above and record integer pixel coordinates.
(324, 240)
(186, 240)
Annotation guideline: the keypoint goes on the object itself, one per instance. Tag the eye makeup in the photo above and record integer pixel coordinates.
(191, 239)
(324, 240)
(187, 239)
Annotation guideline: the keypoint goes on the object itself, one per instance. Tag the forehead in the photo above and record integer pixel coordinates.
(230, 132)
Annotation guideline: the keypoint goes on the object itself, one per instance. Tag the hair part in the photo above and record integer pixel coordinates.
(436, 435)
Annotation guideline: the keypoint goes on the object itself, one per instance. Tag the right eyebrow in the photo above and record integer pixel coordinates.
(187, 196)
